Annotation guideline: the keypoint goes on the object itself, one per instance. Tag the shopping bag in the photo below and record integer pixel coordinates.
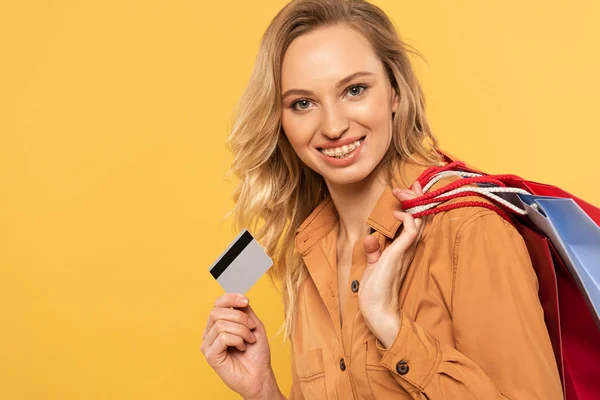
(563, 239)
(575, 242)
(575, 236)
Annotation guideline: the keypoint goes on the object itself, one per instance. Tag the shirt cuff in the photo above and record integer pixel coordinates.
(414, 356)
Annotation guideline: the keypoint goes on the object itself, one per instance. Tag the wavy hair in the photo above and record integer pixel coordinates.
(276, 190)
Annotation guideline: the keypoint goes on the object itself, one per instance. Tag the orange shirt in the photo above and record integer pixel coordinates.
(472, 323)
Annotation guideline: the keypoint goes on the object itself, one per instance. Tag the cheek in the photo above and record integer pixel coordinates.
(299, 129)
(374, 113)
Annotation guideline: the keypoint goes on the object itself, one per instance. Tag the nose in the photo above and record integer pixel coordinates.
(334, 122)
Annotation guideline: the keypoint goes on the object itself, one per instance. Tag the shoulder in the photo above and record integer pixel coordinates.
(477, 211)
(475, 216)
(465, 229)
(476, 222)
(485, 247)
(480, 251)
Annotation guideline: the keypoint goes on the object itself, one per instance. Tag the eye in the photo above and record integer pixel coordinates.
(356, 90)
(300, 105)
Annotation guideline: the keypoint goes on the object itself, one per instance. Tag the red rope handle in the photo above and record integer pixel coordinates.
(428, 198)
(447, 207)
(431, 171)
(409, 203)
(455, 185)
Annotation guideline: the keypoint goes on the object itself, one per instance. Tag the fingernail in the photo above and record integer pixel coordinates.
(406, 194)
(252, 337)
(243, 301)
(251, 323)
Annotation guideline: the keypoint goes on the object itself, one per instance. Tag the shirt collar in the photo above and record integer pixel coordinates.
(324, 217)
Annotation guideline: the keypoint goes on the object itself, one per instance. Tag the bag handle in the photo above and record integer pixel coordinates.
(430, 203)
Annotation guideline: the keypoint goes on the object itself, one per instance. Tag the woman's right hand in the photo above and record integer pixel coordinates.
(236, 347)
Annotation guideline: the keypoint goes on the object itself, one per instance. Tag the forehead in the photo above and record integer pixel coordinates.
(326, 55)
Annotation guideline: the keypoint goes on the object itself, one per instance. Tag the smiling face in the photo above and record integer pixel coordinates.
(337, 103)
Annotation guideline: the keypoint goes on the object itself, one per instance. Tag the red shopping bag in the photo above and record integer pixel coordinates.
(571, 325)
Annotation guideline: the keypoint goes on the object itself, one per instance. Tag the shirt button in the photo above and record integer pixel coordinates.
(402, 367)
(342, 364)
(354, 286)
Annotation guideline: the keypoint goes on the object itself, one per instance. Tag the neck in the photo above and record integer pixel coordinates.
(353, 203)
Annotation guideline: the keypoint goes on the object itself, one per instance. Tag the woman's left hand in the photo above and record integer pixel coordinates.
(380, 284)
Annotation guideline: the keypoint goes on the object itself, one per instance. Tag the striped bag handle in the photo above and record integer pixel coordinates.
(470, 184)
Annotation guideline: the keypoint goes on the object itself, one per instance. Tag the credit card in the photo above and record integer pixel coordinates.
(241, 265)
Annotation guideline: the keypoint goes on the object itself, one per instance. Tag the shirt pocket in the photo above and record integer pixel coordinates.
(311, 374)
(373, 357)
(381, 382)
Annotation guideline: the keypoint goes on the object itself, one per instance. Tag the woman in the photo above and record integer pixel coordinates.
(330, 133)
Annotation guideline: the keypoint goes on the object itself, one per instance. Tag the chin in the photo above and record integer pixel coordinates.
(347, 176)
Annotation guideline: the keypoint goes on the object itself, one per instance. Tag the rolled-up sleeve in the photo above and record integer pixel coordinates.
(502, 349)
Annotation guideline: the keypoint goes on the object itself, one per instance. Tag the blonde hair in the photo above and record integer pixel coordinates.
(276, 187)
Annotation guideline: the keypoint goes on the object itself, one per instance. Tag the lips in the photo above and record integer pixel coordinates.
(340, 142)
(342, 151)
(346, 161)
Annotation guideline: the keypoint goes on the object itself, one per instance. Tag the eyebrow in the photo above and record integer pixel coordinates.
(303, 92)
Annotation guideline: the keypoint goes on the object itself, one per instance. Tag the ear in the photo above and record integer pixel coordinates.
(394, 100)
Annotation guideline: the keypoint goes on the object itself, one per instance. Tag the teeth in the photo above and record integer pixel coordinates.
(341, 151)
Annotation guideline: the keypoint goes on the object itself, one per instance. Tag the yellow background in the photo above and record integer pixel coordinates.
(113, 116)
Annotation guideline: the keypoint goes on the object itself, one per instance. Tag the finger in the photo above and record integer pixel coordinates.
(231, 300)
(226, 301)
(221, 344)
(229, 327)
(408, 234)
(413, 227)
(216, 352)
(371, 245)
(228, 314)
(404, 194)
(409, 224)
(254, 318)
(417, 189)
(419, 224)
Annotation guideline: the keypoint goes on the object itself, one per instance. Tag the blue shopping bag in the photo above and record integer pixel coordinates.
(575, 236)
